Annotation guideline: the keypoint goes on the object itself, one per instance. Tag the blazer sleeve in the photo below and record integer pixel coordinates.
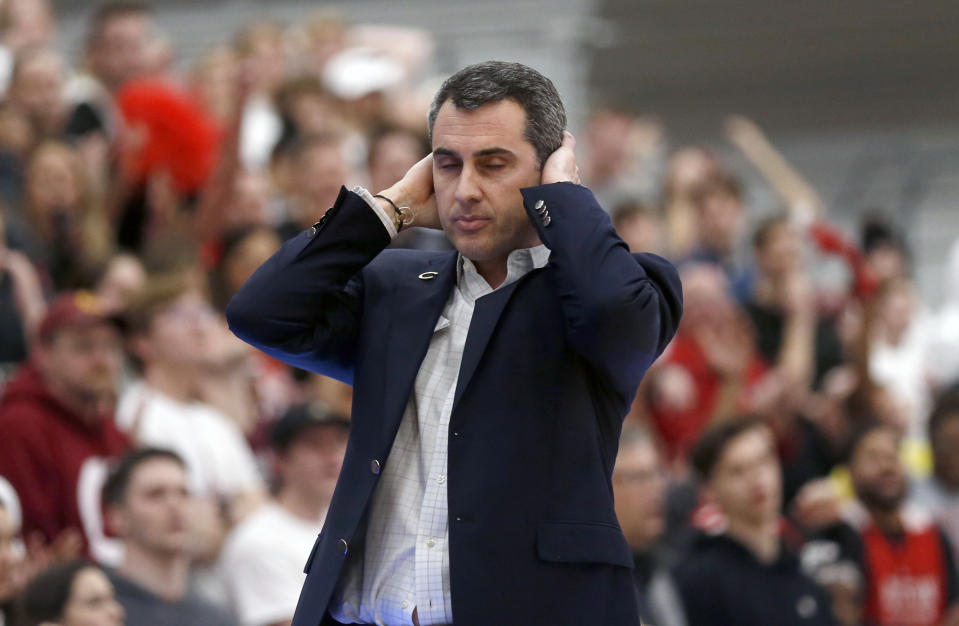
(620, 309)
(303, 305)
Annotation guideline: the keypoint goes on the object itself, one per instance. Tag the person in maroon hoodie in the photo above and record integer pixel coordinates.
(57, 430)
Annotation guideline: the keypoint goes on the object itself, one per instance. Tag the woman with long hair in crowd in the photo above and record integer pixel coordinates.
(75, 593)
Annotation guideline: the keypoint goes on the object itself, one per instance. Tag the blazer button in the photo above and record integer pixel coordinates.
(345, 545)
(546, 221)
(539, 206)
(375, 467)
(311, 232)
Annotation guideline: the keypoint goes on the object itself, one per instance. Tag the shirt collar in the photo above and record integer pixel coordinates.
(519, 263)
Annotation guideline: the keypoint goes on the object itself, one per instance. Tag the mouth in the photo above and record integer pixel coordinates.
(470, 223)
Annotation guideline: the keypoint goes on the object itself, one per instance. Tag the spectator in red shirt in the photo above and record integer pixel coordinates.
(710, 368)
(56, 420)
(902, 557)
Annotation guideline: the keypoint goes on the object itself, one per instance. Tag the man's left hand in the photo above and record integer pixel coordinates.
(561, 166)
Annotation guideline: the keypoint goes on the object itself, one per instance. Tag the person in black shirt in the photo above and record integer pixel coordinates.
(745, 576)
(789, 332)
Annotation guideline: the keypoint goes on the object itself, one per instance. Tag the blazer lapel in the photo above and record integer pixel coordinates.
(417, 304)
(486, 313)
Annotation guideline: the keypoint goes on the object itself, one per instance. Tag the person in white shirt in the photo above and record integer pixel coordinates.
(172, 328)
(262, 560)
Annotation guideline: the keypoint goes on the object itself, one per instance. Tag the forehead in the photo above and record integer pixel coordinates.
(878, 440)
(495, 124)
(93, 331)
(187, 297)
(745, 447)
(320, 435)
(90, 581)
(157, 471)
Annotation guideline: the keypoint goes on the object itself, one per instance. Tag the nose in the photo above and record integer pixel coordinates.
(467, 190)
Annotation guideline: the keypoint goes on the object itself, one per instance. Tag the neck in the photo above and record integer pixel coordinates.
(493, 272)
(165, 575)
(887, 521)
(301, 505)
(760, 537)
(178, 383)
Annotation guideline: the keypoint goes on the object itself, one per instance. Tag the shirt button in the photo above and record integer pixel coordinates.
(375, 466)
(345, 545)
(405, 604)
(430, 543)
(441, 479)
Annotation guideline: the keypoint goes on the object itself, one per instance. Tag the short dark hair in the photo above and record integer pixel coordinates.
(766, 227)
(159, 292)
(115, 487)
(720, 184)
(113, 10)
(861, 431)
(46, 597)
(302, 144)
(628, 209)
(878, 231)
(381, 132)
(713, 442)
(492, 81)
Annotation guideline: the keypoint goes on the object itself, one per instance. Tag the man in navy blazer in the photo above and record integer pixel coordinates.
(490, 383)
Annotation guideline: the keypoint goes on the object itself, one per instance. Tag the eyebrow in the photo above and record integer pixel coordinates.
(480, 153)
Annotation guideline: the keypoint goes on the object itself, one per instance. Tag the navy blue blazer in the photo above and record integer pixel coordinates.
(551, 365)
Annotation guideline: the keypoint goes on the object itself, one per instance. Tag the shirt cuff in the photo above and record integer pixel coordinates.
(379, 210)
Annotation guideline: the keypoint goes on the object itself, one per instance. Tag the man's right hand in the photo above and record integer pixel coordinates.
(415, 190)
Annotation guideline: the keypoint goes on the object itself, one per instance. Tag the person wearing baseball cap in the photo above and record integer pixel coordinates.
(56, 422)
(262, 559)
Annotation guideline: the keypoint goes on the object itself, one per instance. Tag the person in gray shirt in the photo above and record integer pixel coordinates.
(147, 503)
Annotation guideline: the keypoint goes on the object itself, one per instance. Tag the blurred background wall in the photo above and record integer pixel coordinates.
(861, 96)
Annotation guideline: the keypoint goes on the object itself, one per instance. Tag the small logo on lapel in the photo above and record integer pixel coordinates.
(428, 275)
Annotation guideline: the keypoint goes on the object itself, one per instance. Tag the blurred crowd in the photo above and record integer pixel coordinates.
(789, 459)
